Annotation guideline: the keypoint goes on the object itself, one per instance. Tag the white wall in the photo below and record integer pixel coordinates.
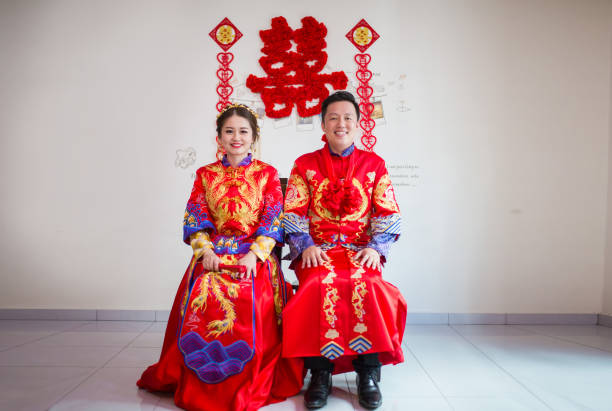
(607, 291)
(508, 124)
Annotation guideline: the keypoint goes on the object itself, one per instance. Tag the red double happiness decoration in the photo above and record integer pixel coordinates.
(294, 77)
(362, 35)
(225, 35)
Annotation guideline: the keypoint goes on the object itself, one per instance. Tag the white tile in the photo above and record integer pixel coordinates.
(562, 374)
(592, 335)
(158, 326)
(148, 339)
(35, 354)
(37, 388)
(502, 403)
(41, 326)
(140, 357)
(117, 326)
(407, 404)
(12, 338)
(90, 339)
(458, 368)
(109, 389)
(166, 402)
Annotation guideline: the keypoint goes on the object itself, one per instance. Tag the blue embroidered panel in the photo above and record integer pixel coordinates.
(270, 223)
(213, 362)
(196, 219)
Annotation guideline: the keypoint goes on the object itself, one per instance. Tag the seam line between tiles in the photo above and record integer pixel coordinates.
(428, 375)
(502, 368)
(81, 323)
(556, 337)
(102, 366)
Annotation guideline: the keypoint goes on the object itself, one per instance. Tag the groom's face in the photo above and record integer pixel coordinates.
(340, 125)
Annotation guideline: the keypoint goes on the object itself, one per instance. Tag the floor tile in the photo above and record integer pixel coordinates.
(501, 403)
(35, 354)
(37, 388)
(148, 339)
(139, 357)
(117, 326)
(109, 389)
(591, 335)
(407, 379)
(10, 339)
(90, 339)
(40, 326)
(564, 375)
(407, 404)
(158, 326)
(166, 402)
(460, 369)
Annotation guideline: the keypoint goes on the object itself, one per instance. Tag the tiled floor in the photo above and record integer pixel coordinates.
(76, 365)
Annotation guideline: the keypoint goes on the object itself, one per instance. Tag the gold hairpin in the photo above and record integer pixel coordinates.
(236, 105)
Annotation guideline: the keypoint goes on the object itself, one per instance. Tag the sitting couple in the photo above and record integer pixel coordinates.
(237, 339)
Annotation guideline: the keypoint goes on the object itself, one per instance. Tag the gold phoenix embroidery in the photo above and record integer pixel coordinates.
(297, 193)
(383, 194)
(359, 291)
(243, 208)
(212, 282)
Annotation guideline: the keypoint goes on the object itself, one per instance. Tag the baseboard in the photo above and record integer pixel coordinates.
(412, 318)
(605, 320)
(84, 315)
(500, 318)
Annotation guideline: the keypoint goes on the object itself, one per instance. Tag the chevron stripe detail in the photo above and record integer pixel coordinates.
(332, 350)
(360, 344)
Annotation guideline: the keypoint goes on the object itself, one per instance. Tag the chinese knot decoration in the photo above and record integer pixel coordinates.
(225, 35)
(294, 77)
(362, 35)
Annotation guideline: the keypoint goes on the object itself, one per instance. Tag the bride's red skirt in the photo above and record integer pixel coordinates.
(222, 348)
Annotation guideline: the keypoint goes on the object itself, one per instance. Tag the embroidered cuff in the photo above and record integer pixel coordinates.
(298, 242)
(294, 223)
(382, 243)
(200, 241)
(390, 224)
(262, 247)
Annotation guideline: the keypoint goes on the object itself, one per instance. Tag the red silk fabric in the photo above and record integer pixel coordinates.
(385, 312)
(265, 379)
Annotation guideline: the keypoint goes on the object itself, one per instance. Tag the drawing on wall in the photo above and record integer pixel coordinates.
(304, 124)
(185, 158)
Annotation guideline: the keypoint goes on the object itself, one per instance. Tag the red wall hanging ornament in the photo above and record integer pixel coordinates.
(362, 35)
(293, 77)
(225, 35)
